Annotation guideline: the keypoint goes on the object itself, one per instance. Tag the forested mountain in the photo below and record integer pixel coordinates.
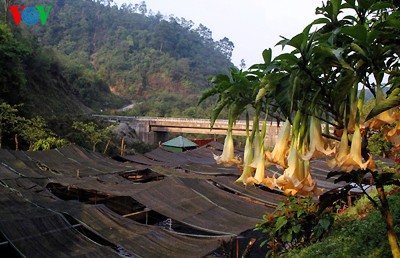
(161, 63)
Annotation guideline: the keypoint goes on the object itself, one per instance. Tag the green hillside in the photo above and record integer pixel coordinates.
(161, 63)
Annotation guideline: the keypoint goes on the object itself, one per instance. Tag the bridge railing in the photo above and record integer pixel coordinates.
(169, 119)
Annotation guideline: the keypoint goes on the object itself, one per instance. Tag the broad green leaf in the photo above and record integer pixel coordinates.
(217, 110)
(394, 20)
(343, 86)
(335, 8)
(365, 4)
(320, 21)
(206, 94)
(216, 79)
(296, 41)
(267, 56)
(296, 228)
(290, 58)
(379, 6)
(358, 32)
(283, 42)
(325, 223)
(358, 49)
(280, 222)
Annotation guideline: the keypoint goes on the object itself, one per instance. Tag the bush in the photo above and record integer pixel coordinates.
(357, 232)
(295, 223)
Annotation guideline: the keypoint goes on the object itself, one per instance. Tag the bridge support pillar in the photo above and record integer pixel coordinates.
(147, 136)
(157, 137)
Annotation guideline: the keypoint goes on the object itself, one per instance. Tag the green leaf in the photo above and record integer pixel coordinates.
(379, 6)
(267, 56)
(335, 8)
(280, 222)
(365, 4)
(343, 86)
(290, 58)
(320, 21)
(394, 20)
(219, 78)
(325, 223)
(217, 110)
(358, 49)
(393, 100)
(358, 32)
(296, 41)
(287, 237)
(296, 228)
(208, 93)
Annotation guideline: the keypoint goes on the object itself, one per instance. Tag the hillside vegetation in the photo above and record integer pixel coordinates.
(160, 63)
(94, 55)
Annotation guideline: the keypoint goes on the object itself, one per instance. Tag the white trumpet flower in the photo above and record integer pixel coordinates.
(317, 147)
(228, 154)
(281, 148)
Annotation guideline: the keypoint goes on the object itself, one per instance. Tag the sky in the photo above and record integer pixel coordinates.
(252, 25)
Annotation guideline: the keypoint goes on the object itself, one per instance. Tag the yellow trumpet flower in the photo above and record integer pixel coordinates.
(248, 158)
(281, 148)
(317, 148)
(259, 165)
(393, 135)
(342, 152)
(259, 161)
(259, 177)
(386, 117)
(353, 160)
(297, 177)
(228, 153)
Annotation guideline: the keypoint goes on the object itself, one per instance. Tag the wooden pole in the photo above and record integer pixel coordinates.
(105, 149)
(122, 146)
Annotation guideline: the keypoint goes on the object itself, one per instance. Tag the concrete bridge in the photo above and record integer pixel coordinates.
(152, 130)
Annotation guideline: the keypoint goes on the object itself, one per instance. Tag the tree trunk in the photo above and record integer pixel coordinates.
(388, 217)
(16, 141)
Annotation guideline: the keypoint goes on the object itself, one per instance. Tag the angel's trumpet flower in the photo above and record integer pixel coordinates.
(386, 117)
(259, 163)
(228, 155)
(259, 177)
(317, 144)
(354, 159)
(279, 153)
(296, 178)
(393, 135)
(342, 152)
(248, 158)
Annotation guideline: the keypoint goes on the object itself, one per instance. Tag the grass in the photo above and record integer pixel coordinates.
(357, 232)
